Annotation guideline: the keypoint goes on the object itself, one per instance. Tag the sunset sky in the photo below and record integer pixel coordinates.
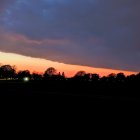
(98, 36)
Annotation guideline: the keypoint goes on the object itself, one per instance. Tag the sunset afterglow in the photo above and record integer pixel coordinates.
(40, 65)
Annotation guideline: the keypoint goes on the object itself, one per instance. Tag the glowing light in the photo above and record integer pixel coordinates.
(26, 79)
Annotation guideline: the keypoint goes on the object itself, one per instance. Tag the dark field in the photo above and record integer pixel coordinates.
(70, 91)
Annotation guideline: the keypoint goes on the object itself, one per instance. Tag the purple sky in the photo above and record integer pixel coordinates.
(98, 33)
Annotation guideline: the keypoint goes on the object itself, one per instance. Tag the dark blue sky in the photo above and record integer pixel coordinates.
(98, 33)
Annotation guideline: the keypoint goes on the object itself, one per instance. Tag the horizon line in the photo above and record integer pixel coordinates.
(44, 63)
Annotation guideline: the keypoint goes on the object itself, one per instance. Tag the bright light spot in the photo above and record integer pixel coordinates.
(26, 79)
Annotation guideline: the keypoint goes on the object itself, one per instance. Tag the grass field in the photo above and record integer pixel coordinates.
(67, 91)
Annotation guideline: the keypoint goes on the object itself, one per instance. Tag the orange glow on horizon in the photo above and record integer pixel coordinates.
(40, 65)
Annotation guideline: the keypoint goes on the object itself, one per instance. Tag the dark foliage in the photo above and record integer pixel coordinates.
(22, 74)
(7, 72)
(113, 86)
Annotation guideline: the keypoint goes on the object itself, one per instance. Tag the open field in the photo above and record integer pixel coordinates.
(69, 91)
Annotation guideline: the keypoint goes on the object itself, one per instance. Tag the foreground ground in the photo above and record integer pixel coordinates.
(69, 91)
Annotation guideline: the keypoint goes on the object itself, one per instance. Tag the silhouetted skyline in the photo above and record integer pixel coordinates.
(40, 65)
(9, 72)
(54, 86)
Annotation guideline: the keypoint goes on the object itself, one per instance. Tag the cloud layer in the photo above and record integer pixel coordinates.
(98, 33)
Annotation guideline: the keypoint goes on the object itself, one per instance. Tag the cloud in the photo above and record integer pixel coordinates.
(3, 4)
(16, 43)
(99, 33)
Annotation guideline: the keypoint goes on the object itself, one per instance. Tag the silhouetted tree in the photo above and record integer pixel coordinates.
(104, 79)
(80, 74)
(131, 78)
(7, 71)
(95, 77)
(87, 77)
(22, 74)
(58, 77)
(36, 76)
(63, 74)
(111, 77)
(50, 72)
(138, 77)
(120, 77)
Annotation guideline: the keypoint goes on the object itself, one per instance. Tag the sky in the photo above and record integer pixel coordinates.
(76, 33)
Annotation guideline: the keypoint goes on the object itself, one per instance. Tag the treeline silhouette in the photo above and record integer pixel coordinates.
(82, 83)
(8, 72)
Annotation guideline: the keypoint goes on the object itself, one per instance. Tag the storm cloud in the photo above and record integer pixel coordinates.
(98, 33)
